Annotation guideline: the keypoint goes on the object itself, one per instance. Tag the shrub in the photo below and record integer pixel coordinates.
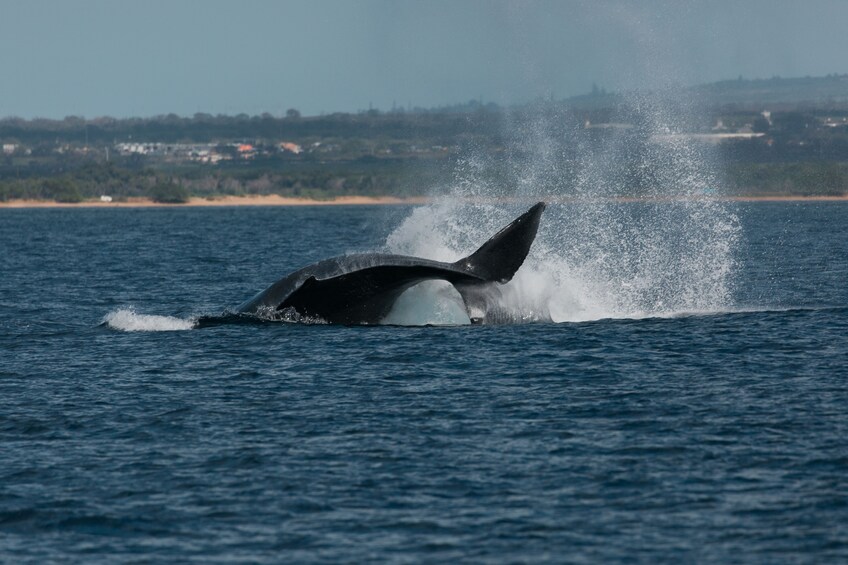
(169, 193)
(62, 190)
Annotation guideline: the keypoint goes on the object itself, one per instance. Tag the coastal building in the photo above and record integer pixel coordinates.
(711, 138)
(246, 150)
(291, 147)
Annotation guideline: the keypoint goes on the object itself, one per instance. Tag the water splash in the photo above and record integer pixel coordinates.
(431, 303)
(634, 229)
(127, 320)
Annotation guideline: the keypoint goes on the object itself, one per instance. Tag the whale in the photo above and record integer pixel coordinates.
(360, 289)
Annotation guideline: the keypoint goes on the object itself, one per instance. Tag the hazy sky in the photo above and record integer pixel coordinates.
(141, 58)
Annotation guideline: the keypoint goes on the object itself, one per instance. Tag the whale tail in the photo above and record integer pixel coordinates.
(361, 289)
(498, 259)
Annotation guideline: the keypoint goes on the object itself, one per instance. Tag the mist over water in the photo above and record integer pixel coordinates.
(633, 229)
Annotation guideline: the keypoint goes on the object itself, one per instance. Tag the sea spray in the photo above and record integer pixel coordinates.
(633, 229)
(127, 320)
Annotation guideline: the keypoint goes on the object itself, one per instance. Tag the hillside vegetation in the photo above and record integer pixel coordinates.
(775, 136)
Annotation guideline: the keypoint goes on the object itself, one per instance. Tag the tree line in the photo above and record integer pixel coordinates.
(799, 150)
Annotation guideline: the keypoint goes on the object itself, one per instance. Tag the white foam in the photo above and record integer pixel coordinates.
(127, 320)
(595, 257)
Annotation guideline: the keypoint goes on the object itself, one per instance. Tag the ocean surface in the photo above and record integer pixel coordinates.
(701, 416)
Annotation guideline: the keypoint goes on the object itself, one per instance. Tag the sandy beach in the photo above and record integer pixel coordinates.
(269, 200)
(275, 200)
(787, 198)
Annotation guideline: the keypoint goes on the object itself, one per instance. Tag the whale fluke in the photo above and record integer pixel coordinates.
(361, 289)
(498, 259)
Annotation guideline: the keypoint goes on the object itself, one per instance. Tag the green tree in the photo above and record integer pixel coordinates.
(169, 193)
(62, 190)
(794, 123)
(760, 125)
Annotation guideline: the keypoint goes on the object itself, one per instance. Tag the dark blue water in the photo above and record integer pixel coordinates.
(708, 438)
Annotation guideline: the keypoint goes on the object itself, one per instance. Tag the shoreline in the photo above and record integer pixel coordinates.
(275, 200)
(196, 201)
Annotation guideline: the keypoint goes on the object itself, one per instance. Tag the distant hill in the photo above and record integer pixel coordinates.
(831, 90)
(776, 136)
(775, 93)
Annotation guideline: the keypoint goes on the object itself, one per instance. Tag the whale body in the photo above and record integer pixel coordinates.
(361, 288)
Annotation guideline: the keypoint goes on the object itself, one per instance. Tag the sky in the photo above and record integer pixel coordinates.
(122, 58)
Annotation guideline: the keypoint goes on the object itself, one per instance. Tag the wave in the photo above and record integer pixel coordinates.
(435, 303)
(128, 320)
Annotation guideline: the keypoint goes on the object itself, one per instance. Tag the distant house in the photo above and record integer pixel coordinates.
(607, 125)
(139, 148)
(291, 147)
(246, 150)
(9, 148)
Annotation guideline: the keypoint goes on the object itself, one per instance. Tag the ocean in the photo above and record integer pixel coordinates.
(687, 402)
